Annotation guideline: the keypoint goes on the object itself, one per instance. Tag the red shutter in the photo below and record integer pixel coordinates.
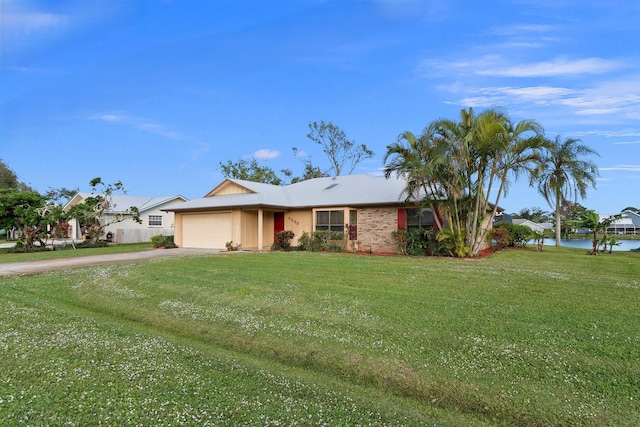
(402, 218)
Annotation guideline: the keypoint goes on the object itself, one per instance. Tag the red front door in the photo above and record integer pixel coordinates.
(278, 223)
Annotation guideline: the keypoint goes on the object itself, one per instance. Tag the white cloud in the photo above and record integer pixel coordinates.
(24, 21)
(508, 95)
(111, 117)
(27, 24)
(626, 168)
(499, 66)
(626, 142)
(266, 153)
(622, 133)
(519, 29)
(140, 124)
(618, 98)
(556, 67)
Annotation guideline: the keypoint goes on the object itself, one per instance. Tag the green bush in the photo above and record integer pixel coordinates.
(304, 242)
(283, 241)
(519, 233)
(324, 240)
(89, 244)
(162, 241)
(502, 237)
(400, 237)
(421, 241)
(320, 240)
(157, 240)
(334, 247)
(231, 247)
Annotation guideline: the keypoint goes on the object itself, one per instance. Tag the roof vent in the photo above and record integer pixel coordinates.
(331, 186)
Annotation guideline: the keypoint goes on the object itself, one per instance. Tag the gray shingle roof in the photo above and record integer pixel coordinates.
(348, 190)
(121, 203)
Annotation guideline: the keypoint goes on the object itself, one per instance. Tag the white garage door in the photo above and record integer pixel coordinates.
(211, 230)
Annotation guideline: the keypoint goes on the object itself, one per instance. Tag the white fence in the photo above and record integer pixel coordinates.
(124, 235)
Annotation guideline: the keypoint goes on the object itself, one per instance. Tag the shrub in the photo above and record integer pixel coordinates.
(421, 241)
(418, 241)
(334, 247)
(89, 244)
(519, 233)
(304, 242)
(157, 240)
(162, 241)
(452, 243)
(283, 241)
(320, 240)
(231, 247)
(400, 237)
(502, 237)
(324, 240)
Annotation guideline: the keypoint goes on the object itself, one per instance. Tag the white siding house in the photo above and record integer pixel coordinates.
(155, 220)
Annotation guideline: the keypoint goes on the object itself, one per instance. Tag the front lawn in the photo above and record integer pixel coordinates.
(519, 338)
(6, 254)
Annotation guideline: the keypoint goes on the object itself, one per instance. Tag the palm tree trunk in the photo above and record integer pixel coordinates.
(558, 224)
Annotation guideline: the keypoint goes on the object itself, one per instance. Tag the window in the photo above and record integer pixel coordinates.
(330, 220)
(419, 218)
(155, 220)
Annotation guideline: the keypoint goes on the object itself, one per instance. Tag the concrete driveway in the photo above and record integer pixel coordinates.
(30, 267)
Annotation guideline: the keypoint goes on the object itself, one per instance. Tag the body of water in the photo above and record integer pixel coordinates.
(624, 245)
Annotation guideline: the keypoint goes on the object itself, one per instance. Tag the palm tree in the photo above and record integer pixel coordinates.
(512, 148)
(466, 162)
(489, 149)
(592, 220)
(417, 158)
(565, 173)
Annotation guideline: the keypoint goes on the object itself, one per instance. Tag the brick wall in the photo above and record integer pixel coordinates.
(375, 226)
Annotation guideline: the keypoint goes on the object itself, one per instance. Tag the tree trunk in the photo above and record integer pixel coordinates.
(558, 224)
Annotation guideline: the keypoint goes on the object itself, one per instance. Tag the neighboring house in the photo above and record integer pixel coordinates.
(250, 213)
(153, 213)
(535, 226)
(628, 224)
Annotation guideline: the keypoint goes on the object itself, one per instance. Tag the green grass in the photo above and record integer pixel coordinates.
(520, 338)
(7, 256)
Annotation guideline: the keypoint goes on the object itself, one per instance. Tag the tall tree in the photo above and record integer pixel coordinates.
(565, 173)
(534, 214)
(60, 195)
(14, 203)
(99, 210)
(9, 179)
(470, 162)
(420, 160)
(250, 170)
(340, 151)
(503, 149)
(310, 170)
(28, 212)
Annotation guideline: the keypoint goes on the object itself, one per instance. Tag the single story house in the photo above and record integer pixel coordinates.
(250, 213)
(153, 213)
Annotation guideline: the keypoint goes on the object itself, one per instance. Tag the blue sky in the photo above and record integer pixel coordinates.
(158, 93)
